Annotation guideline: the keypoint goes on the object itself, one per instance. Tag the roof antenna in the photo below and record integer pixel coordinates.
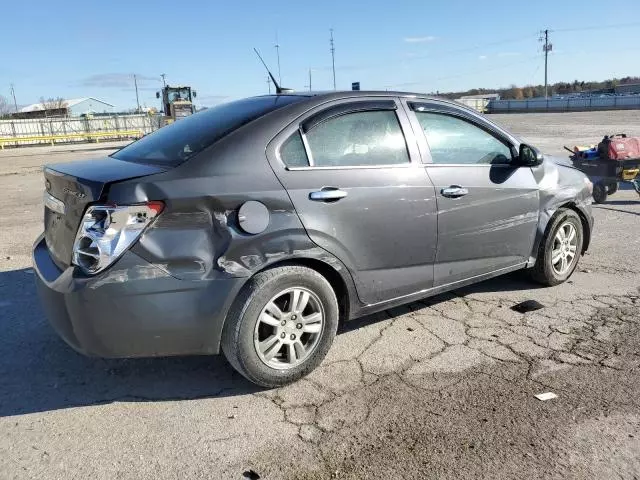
(279, 89)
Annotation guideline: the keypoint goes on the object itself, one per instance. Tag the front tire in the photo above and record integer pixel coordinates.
(559, 250)
(612, 188)
(281, 326)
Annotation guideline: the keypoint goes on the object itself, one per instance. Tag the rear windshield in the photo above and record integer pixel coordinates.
(176, 143)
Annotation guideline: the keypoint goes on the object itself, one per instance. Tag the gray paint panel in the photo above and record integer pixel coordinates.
(491, 227)
(384, 230)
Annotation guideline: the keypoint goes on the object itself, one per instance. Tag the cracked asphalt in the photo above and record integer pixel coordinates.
(442, 388)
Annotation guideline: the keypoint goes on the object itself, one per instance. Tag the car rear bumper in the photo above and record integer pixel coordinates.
(133, 309)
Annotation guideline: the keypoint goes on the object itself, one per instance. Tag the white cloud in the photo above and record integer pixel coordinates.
(120, 80)
(428, 38)
(482, 57)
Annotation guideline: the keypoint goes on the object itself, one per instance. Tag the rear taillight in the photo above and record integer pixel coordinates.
(107, 231)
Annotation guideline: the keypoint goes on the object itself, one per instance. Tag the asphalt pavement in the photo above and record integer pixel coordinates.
(443, 388)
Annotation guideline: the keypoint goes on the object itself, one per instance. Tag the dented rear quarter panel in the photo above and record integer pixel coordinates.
(198, 238)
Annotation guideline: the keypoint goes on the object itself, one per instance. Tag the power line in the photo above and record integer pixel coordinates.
(449, 52)
(533, 76)
(463, 74)
(596, 27)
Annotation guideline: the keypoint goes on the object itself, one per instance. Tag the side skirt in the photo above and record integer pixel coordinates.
(430, 292)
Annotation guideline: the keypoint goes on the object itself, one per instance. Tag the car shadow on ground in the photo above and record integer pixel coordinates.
(40, 372)
(506, 283)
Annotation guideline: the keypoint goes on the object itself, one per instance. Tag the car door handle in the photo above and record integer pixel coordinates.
(454, 191)
(327, 194)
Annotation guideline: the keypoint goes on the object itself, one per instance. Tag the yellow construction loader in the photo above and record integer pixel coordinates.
(177, 102)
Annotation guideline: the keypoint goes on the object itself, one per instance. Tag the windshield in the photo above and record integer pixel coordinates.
(176, 143)
(178, 94)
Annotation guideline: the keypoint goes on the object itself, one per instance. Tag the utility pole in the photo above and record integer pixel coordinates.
(13, 94)
(135, 82)
(164, 84)
(333, 57)
(309, 79)
(546, 48)
(278, 55)
(269, 84)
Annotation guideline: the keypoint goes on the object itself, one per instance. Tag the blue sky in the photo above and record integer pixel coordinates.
(77, 48)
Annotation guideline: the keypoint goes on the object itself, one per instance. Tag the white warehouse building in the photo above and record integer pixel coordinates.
(73, 107)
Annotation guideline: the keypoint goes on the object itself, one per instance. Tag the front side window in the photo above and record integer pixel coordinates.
(358, 139)
(456, 141)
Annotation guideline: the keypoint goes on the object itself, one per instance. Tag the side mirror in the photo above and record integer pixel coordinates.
(194, 94)
(529, 156)
(157, 94)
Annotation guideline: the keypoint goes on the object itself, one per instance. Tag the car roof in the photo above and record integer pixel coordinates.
(316, 98)
(323, 96)
(336, 94)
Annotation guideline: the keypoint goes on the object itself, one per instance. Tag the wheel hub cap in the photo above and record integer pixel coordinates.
(565, 246)
(289, 328)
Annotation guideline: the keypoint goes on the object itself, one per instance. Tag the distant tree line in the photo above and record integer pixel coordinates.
(533, 91)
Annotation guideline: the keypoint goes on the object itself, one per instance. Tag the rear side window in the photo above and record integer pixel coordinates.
(176, 143)
(293, 153)
(358, 139)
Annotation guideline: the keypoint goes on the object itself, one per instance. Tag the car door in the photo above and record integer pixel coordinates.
(488, 207)
(361, 193)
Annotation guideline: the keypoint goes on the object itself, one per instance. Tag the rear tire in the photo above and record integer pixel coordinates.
(612, 188)
(272, 341)
(599, 193)
(556, 248)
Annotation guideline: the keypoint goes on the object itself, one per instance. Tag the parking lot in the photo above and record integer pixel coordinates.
(442, 388)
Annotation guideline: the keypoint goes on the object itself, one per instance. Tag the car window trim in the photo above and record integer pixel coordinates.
(305, 145)
(305, 142)
(307, 148)
(462, 115)
(352, 167)
(345, 109)
(465, 113)
(274, 147)
(486, 165)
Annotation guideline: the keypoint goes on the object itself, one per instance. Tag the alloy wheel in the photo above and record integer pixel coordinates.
(289, 328)
(565, 246)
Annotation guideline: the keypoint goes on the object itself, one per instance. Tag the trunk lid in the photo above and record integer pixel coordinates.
(77, 184)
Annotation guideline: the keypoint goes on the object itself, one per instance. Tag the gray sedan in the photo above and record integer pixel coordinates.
(256, 227)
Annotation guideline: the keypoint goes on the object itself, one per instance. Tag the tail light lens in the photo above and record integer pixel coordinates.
(107, 231)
